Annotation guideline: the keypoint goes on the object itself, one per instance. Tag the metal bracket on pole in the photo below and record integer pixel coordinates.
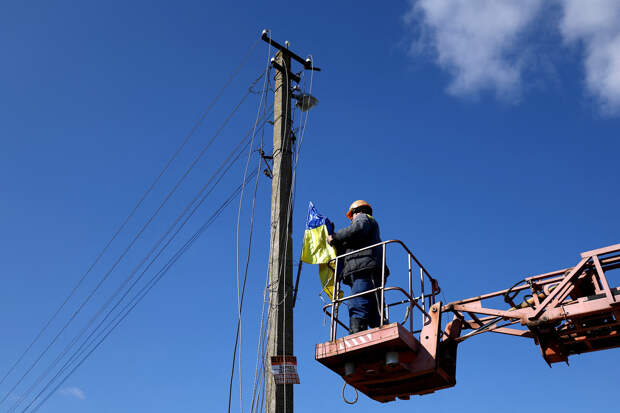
(290, 74)
(268, 172)
(307, 63)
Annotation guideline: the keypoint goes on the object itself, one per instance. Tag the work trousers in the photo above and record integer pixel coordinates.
(366, 307)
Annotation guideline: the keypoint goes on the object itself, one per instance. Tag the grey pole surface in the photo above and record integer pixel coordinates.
(279, 397)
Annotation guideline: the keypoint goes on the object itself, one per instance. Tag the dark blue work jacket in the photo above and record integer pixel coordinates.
(362, 232)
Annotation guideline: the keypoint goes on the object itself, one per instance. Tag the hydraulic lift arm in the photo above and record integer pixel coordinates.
(566, 312)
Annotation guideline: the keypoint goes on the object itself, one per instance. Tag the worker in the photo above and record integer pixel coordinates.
(361, 270)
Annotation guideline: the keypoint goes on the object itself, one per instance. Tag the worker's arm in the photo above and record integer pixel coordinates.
(357, 230)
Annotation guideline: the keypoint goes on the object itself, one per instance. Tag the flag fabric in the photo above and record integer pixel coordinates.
(316, 250)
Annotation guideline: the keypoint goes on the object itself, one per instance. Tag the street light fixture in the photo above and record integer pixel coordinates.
(305, 101)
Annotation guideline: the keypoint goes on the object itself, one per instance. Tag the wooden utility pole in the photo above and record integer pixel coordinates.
(279, 396)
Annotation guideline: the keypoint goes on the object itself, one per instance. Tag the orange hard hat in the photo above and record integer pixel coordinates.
(356, 204)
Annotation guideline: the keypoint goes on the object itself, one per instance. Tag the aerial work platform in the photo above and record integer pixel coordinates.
(394, 360)
(388, 362)
(565, 312)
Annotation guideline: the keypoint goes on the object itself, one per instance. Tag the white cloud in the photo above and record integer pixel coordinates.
(73, 391)
(481, 42)
(477, 41)
(596, 25)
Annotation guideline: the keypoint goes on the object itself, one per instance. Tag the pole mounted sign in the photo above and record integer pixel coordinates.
(284, 369)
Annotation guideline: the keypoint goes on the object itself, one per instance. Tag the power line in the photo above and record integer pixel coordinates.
(143, 292)
(260, 353)
(240, 296)
(269, 285)
(100, 331)
(262, 333)
(239, 148)
(135, 239)
(131, 214)
(245, 276)
(289, 213)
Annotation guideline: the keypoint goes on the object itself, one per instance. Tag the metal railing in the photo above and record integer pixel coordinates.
(425, 299)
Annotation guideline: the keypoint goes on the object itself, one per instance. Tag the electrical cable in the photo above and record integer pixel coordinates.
(134, 240)
(245, 276)
(135, 270)
(289, 217)
(260, 351)
(345, 399)
(131, 214)
(272, 277)
(135, 282)
(100, 331)
(238, 148)
(294, 178)
(146, 289)
(238, 335)
(276, 281)
(275, 278)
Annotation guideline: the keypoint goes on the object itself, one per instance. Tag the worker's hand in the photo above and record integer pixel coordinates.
(330, 239)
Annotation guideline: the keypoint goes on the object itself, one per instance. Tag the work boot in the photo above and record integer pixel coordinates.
(357, 324)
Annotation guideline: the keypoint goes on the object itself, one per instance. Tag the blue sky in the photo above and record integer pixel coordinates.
(483, 133)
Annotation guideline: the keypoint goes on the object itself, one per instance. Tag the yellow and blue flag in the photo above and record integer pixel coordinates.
(316, 250)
